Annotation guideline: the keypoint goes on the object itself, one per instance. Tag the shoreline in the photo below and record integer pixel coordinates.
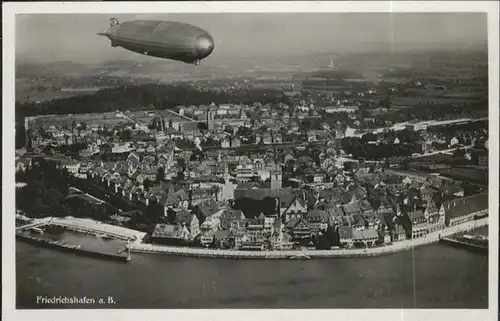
(400, 246)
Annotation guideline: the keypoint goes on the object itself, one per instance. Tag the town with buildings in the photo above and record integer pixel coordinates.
(315, 170)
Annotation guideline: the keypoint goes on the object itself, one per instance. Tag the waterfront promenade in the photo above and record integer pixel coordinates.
(358, 252)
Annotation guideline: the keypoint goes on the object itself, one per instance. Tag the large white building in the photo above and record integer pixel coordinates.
(417, 126)
(244, 172)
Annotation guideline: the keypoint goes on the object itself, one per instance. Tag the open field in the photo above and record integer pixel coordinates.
(100, 119)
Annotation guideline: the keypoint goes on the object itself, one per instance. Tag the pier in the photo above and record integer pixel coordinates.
(75, 249)
(464, 244)
(88, 227)
(35, 223)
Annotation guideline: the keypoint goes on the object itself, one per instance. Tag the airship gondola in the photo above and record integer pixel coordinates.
(162, 39)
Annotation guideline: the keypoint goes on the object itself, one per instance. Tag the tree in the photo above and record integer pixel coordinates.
(126, 135)
(229, 129)
(320, 241)
(386, 102)
(181, 162)
(20, 134)
(147, 184)
(268, 206)
(332, 235)
(180, 177)
(171, 216)
(459, 153)
(160, 174)
(369, 137)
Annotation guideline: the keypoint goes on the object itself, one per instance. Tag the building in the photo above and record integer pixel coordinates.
(299, 229)
(480, 157)
(340, 109)
(229, 219)
(434, 220)
(23, 164)
(255, 229)
(170, 234)
(415, 224)
(226, 143)
(207, 238)
(269, 224)
(318, 220)
(367, 237)
(211, 222)
(222, 239)
(345, 236)
(210, 119)
(276, 179)
(297, 209)
(281, 241)
(235, 142)
(416, 126)
(398, 233)
(72, 166)
(465, 209)
(244, 172)
(384, 237)
(189, 220)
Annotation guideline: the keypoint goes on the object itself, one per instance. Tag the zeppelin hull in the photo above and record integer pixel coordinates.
(163, 39)
(158, 50)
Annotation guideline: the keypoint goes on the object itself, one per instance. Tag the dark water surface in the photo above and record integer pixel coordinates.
(434, 276)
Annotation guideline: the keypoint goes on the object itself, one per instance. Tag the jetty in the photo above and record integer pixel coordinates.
(87, 226)
(75, 249)
(469, 244)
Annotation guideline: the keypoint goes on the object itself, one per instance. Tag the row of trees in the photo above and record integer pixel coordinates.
(431, 111)
(45, 188)
(142, 97)
(361, 149)
(46, 194)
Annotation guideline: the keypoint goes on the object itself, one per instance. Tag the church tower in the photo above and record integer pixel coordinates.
(211, 116)
(276, 178)
(226, 172)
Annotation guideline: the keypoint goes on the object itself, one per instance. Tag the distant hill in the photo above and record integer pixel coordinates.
(44, 70)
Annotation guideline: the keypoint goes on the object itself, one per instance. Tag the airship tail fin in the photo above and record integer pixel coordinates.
(113, 22)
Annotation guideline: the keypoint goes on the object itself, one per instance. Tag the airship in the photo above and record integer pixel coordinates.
(162, 39)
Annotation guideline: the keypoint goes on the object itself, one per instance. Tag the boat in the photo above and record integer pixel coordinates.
(300, 257)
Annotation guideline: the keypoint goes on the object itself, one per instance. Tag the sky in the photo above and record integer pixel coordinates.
(72, 37)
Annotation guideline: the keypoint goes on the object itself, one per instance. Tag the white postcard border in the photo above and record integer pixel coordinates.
(8, 254)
